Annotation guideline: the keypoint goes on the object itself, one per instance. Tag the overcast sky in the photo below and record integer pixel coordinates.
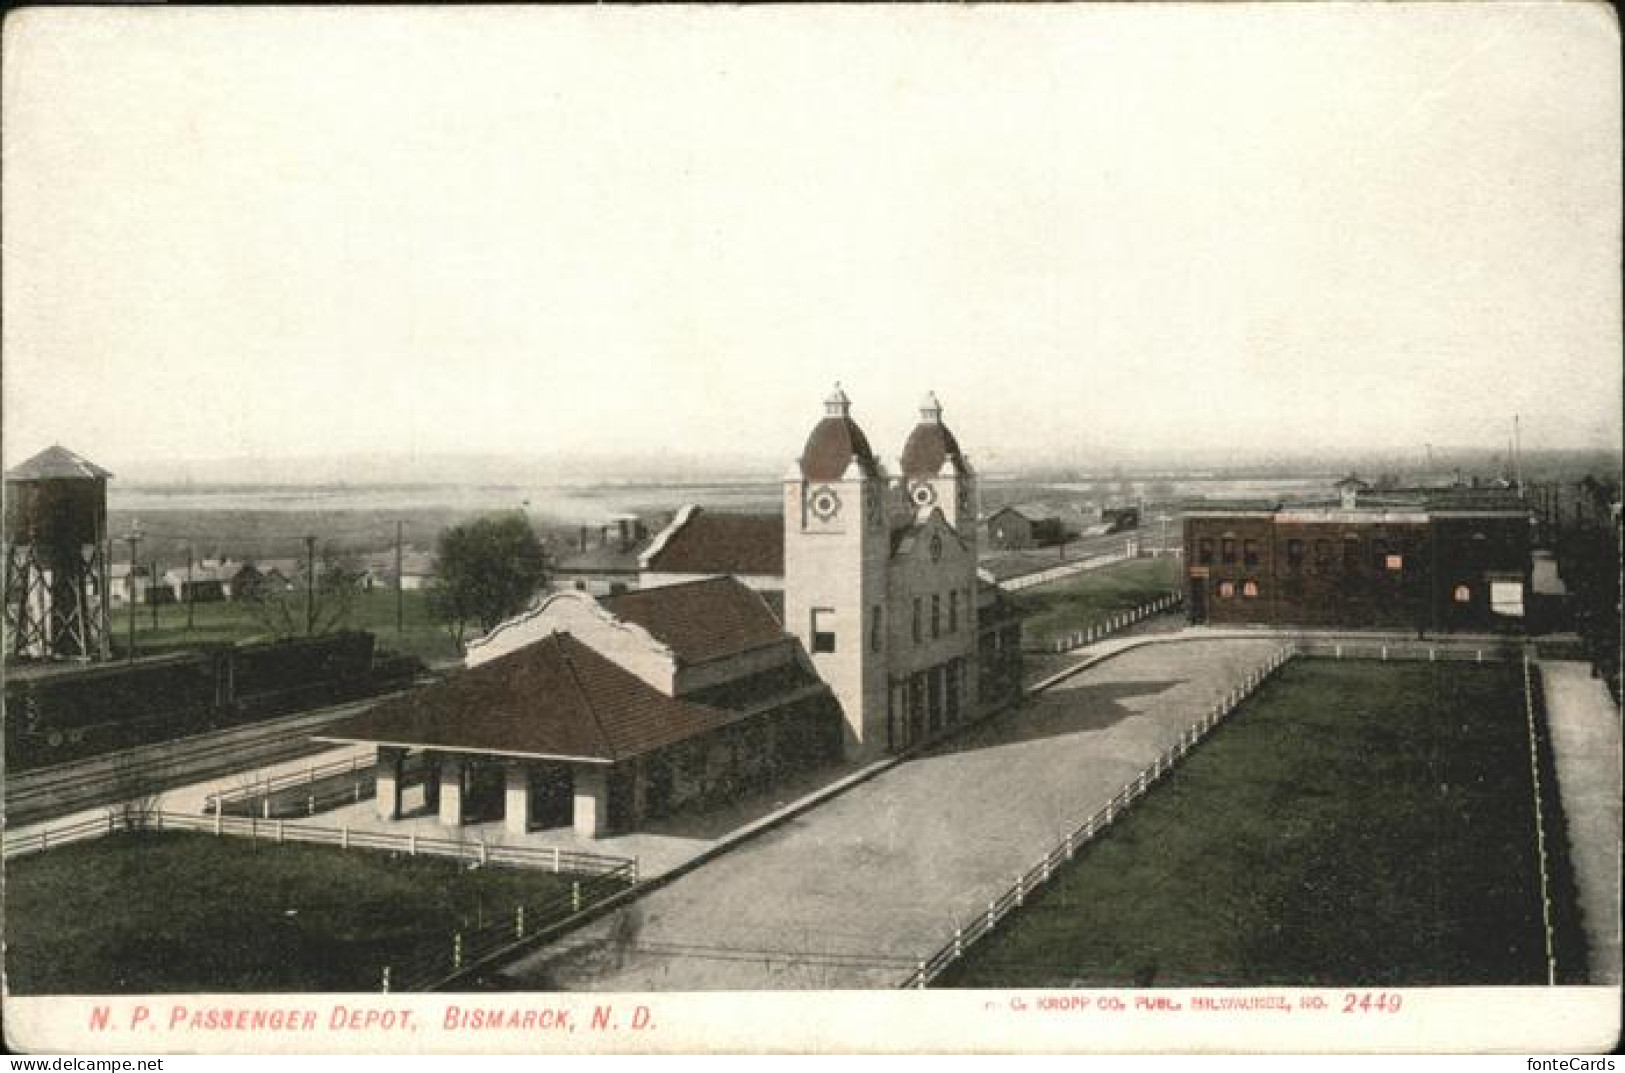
(296, 232)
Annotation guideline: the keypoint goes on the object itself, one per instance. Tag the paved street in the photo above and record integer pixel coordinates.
(854, 892)
(1585, 746)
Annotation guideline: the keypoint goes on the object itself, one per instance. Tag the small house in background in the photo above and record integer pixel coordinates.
(1031, 525)
(128, 583)
(417, 571)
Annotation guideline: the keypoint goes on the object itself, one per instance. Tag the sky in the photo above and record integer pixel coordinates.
(412, 231)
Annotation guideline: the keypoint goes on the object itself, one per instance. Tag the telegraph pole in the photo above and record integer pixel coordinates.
(400, 598)
(152, 592)
(191, 589)
(310, 585)
(134, 540)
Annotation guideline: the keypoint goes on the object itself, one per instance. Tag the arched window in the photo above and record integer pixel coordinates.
(1249, 588)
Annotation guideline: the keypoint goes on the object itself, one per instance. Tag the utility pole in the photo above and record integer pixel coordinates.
(152, 591)
(134, 540)
(191, 589)
(310, 585)
(400, 599)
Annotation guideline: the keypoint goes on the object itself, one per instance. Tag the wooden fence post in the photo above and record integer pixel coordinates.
(457, 950)
(575, 895)
(519, 922)
(555, 860)
(386, 979)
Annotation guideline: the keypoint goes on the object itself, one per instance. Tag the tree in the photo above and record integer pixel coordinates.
(290, 612)
(486, 571)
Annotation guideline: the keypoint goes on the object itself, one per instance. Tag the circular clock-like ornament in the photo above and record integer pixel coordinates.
(825, 503)
(922, 494)
(936, 546)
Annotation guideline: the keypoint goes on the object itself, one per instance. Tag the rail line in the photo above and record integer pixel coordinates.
(45, 793)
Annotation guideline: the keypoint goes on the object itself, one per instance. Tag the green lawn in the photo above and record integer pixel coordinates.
(169, 912)
(1353, 823)
(225, 620)
(1090, 598)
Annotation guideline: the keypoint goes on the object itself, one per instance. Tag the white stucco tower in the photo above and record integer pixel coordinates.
(837, 542)
(936, 473)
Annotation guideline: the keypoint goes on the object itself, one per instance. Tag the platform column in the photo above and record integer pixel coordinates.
(388, 768)
(451, 790)
(591, 812)
(516, 801)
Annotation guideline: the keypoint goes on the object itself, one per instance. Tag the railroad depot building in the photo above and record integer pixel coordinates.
(855, 624)
(1420, 559)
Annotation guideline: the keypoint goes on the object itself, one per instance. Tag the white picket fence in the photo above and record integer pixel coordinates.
(1115, 624)
(964, 935)
(1056, 573)
(545, 858)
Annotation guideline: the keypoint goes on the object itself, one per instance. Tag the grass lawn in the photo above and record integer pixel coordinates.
(172, 912)
(1353, 823)
(226, 620)
(1090, 598)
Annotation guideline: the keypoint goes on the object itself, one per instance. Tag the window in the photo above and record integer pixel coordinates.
(1227, 589)
(823, 628)
(1204, 553)
(1351, 551)
(936, 615)
(874, 628)
(1249, 589)
(1227, 550)
(953, 611)
(1323, 552)
(1464, 595)
(1396, 562)
(1249, 552)
(918, 634)
(1294, 553)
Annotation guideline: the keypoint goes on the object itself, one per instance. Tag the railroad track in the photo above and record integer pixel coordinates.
(45, 793)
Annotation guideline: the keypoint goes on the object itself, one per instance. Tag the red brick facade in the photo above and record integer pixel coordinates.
(1325, 567)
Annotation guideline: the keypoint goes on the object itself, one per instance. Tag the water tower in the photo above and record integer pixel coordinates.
(56, 564)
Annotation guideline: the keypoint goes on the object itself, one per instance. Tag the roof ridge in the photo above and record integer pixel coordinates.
(581, 691)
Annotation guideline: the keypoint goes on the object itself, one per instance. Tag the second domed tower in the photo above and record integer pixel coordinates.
(936, 473)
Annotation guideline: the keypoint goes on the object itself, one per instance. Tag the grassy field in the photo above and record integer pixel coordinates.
(1354, 823)
(1090, 598)
(225, 620)
(182, 912)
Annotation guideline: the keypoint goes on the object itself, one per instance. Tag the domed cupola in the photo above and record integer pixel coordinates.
(836, 442)
(931, 444)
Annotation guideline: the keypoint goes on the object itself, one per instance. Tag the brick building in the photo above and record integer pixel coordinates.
(1431, 559)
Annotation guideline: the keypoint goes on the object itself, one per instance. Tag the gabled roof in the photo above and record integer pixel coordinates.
(555, 698)
(700, 620)
(700, 542)
(57, 464)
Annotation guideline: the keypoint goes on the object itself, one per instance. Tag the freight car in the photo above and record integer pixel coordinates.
(69, 713)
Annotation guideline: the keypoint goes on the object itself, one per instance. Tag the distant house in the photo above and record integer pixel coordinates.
(417, 570)
(1028, 525)
(602, 571)
(209, 581)
(128, 584)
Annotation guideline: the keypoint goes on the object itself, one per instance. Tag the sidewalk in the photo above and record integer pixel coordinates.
(1586, 749)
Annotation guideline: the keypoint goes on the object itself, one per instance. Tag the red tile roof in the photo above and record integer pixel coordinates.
(928, 447)
(555, 698)
(724, 544)
(700, 620)
(834, 443)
